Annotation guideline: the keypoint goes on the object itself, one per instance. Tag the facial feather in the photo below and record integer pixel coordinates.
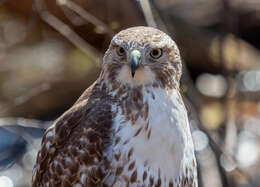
(164, 71)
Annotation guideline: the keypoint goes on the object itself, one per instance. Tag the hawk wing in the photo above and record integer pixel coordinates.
(72, 149)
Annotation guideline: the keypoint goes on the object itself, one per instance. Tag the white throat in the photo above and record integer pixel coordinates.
(164, 147)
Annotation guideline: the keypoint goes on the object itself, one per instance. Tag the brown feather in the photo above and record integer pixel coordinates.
(81, 135)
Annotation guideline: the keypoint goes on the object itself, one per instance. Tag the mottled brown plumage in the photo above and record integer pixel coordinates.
(79, 138)
(129, 128)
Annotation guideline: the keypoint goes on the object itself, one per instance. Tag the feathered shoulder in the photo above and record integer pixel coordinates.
(76, 139)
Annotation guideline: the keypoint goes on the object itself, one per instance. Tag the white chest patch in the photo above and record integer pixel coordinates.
(158, 148)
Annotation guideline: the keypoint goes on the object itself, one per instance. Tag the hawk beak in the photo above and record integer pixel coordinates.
(135, 61)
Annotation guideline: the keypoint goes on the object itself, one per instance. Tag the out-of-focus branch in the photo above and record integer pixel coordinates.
(24, 122)
(238, 55)
(67, 32)
(86, 15)
(24, 98)
(147, 11)
(76, 19)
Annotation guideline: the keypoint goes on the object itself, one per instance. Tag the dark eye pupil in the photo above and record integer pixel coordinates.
(121, 50)
(155, 52)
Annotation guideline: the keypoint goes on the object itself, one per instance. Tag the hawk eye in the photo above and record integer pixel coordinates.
(120, 51)
(156, 53)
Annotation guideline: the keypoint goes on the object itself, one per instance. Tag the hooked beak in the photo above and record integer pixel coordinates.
(135, 61)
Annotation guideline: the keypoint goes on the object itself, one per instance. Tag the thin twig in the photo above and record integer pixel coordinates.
(86, 15)
(67, 32)
(76, 19)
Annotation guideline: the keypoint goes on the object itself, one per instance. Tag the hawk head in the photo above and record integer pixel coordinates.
(142, 56)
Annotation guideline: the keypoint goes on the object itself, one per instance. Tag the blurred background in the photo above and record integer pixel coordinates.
(50, 52)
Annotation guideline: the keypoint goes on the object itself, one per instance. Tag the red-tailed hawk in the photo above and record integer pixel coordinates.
(130, 128)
